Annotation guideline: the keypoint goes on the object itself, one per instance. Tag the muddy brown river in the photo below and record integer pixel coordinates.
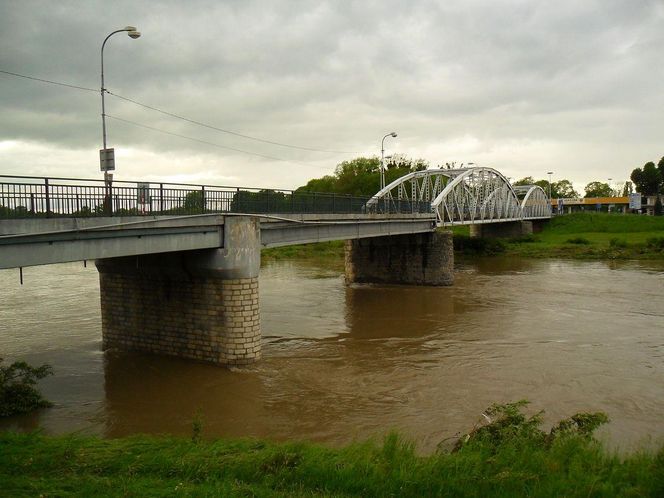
(346, 363)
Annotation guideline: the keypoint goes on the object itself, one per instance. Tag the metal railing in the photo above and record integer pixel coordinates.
(41, 197)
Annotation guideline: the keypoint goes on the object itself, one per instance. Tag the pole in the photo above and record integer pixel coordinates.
(382, 163)
(108, 179)
(382, 158)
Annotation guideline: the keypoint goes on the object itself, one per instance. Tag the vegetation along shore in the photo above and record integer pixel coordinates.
(507, 455)
(577, 235)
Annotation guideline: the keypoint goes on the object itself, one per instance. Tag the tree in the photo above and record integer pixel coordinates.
(658, 207)
(560, 189)
(528, 180)
(598, 189)
(563, 189)
(660, 167)
(628, 188)
(648, 180)
(361, 176)
(193, 202)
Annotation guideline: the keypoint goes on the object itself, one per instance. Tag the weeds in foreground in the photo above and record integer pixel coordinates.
(197, 427)
(508, 454)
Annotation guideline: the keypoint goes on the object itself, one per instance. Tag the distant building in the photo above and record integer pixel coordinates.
(603, 204)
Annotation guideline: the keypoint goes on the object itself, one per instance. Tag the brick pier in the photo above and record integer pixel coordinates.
(201, 305)
(417, 259)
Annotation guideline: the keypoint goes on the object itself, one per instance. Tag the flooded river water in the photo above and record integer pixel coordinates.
(343, 363)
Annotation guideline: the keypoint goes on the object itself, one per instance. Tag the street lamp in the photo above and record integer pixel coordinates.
(107, 156)
(382, 158)
(549, 173)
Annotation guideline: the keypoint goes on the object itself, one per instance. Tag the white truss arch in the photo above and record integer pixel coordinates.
(534, 201)
(477, 195)
(462, 197)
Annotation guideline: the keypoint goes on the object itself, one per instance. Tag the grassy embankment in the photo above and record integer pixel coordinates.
(580, 235)
(519, 462)
(585, 236)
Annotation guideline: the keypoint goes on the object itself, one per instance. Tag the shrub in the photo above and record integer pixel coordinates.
(18, 393)
(579, 241)
(506, 424)
(477, 245)
(656, 243)
(523, 239)
(618, 243)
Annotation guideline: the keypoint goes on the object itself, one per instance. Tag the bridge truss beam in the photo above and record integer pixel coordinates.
(463, 196)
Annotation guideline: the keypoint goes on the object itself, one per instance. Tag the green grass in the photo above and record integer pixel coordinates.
(35, 465)
(320, 250)
(507, 454)
(605, 223)
(596, 236)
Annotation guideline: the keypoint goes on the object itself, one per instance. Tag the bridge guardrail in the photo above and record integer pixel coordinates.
(44, 197)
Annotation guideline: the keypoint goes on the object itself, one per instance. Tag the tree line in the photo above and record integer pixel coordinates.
(361, 177)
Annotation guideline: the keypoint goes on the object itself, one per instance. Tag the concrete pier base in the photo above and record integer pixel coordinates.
(200, 305)
(417, 259)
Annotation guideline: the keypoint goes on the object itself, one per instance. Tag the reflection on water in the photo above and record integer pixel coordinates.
(342, 363)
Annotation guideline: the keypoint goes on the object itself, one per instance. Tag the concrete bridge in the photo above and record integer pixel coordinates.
(179, 266)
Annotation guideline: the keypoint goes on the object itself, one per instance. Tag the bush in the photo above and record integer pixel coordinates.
(579, 241)
(506, 424)
(524, 239)
(618, 243)
(18, 393)
(656, 243)
(477, 245)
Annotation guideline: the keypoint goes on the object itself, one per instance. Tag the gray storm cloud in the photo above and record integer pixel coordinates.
(521, 85)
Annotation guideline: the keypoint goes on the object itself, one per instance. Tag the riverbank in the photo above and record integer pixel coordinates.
(594, 236)
(37, 465)
(575, 236)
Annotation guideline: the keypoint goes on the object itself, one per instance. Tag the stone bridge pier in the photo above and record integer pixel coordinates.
(414, 259)
(201, 305)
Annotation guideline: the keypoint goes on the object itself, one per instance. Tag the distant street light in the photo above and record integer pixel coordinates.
(382, 158)
(550, 173)
(107, 156)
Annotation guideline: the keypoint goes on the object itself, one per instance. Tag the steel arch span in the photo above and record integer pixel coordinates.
(461, 197)
(534, 202)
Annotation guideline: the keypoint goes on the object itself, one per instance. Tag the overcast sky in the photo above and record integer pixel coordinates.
(575, 87)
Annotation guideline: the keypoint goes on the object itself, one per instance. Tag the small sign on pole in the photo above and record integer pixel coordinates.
(143, 193)
(142, 196)
(107, 159)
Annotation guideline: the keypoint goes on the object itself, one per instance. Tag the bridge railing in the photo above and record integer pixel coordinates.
(41, 197)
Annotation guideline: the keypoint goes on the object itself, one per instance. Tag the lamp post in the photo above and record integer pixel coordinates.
(550, 173)
(106, 155)
(382, 158)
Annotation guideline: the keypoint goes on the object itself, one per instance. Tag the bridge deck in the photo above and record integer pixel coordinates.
(106, 237)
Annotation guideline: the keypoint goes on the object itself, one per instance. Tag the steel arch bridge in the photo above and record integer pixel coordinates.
(464, 196)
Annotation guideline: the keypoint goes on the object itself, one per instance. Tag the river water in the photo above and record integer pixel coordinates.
(347, 363)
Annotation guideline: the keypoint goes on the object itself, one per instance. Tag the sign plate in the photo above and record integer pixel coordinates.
(635, 201)
(143, 193)
(107, 159)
